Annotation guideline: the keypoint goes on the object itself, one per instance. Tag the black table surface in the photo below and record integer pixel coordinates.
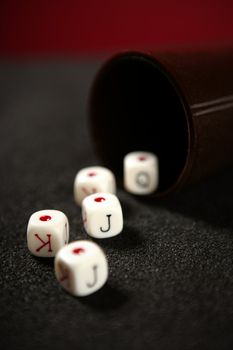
(170, 280)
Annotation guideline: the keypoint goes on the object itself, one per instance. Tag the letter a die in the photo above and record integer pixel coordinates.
(92, 180)
(81, 267)
(102, 215)
(47, 232)
(141, 173)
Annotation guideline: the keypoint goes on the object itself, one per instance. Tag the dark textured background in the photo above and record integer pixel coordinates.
(171, 270)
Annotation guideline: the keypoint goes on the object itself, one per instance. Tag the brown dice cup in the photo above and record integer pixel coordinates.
(176, 103)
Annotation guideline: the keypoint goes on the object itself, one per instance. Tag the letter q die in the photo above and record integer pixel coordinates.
(81, 267)
(141, 172)
(47, 232)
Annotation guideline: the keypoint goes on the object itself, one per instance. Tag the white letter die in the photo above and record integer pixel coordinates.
(141, 173)
(92, 180)
(47, 232)
(102, 215)
(81, 267)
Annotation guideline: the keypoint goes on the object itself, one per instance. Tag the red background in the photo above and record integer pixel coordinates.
(85, 27)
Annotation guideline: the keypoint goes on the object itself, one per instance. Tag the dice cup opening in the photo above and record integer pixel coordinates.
(135, 104)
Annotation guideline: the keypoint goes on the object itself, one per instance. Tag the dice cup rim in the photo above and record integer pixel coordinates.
(148, 59)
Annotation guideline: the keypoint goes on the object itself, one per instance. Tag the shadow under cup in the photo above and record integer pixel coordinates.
(176, 105)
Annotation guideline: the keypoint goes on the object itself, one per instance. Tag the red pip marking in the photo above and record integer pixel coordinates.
(78, 250)
(45, 218)
(44, 243)
(92, 173)
(142, 158)
(99, 199)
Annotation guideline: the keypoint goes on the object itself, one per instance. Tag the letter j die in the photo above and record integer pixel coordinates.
(47, 232)
(81, 267)
(102, 215)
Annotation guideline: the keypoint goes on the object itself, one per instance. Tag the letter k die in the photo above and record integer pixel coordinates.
(47, 232)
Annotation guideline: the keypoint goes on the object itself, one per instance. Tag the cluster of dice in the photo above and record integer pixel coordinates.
(81, 267)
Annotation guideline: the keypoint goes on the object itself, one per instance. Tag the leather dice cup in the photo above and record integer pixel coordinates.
(177, 104)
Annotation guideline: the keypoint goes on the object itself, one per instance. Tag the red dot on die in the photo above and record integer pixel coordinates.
(91, 174)
(78, 250)
(99, 199)
(45, 218)
(142, 158)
